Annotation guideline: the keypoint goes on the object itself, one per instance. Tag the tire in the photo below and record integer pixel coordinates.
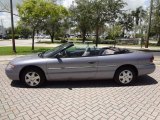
(125, 76)
(33, 77)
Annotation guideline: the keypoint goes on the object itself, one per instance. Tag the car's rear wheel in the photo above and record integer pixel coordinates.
(33, 77)
(125, 76)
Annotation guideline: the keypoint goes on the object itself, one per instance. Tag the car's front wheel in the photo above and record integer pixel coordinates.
(125, 76)
(33, 77)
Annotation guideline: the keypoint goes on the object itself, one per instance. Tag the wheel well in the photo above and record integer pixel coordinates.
(130, 66)
(30, 67)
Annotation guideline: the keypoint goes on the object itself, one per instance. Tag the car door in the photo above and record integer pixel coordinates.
(72, 68)
(107, 66)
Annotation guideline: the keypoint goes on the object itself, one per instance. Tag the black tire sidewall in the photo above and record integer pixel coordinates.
(39, 72)
(116, 77)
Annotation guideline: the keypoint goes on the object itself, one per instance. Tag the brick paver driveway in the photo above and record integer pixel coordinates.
(99, 100)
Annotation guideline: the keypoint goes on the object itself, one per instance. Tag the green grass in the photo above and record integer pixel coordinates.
(21, 50)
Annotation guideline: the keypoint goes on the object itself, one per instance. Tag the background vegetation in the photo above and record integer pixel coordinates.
(98, 21)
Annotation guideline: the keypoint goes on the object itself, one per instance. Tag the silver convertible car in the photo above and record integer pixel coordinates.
(66, 62)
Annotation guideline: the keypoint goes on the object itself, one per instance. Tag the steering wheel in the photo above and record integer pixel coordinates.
(64, 53)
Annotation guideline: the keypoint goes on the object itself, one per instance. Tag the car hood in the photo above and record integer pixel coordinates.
(25, 58)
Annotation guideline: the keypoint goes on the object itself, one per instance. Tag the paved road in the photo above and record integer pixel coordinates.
(81, 100)
(25, 42)
(156, 54)
(28, 42)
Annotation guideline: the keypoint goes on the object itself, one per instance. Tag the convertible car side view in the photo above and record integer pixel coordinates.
(66, 62)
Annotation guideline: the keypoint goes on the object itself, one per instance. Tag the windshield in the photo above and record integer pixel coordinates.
(57, 49)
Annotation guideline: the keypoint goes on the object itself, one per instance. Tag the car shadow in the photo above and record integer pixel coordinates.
(140, 81)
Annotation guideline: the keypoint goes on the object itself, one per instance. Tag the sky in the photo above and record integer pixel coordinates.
(5, 17)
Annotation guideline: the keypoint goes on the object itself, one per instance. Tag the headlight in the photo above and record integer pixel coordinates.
(10, 66)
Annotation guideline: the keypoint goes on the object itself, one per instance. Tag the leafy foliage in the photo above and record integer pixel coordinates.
(56, 21)
(42, 14)
(23, 31)
(115, 31)
(33, 13)
(138, 14)
(127, 22)
(105, 11)
(156, 20)
(82, 16)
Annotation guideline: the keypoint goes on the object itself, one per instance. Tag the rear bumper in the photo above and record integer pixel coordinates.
(146, 69)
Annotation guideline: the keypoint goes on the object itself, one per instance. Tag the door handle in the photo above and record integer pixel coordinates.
(91, 62)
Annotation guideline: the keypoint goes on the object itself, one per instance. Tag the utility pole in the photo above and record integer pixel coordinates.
(149, 24)
(12, 23)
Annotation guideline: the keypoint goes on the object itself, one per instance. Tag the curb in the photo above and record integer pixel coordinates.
(144, 50)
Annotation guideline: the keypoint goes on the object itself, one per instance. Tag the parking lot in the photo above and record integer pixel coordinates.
(79, 100)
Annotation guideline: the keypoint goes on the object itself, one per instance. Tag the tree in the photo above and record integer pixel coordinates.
(126, 21)
(55, 20)
(156, 20)
(32, 13)
(138, 16)
(115, 31)
(23, 31)
(82, 16)
(105, 11)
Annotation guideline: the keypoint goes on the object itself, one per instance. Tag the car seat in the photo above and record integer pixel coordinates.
(87, 52)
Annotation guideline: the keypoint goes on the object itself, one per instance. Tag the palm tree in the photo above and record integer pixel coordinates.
(156, 20)
(138, 15)
(126, 21)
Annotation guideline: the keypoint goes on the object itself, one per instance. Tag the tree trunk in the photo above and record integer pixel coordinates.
(52, 37)
(33, 32)
(97, 35)
(84, 36)
(115, 42)
(158, 43)
(123, 32)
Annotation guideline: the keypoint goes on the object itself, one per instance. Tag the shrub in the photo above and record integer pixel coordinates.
(16, 36)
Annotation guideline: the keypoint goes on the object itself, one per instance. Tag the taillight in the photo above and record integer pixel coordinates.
(151, 59)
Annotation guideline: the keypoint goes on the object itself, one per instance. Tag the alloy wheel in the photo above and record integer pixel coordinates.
(125, 76)
(32, 79)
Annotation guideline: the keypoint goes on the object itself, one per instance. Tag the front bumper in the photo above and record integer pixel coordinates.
(11, 73)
